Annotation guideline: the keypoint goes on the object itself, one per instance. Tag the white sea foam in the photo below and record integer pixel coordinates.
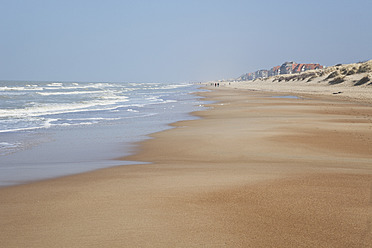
(50, 109)
(94, 119)
(132, 110)
(61, 86)
(29, 106)
(26, 124)
(68, 93)
(20, 88)
(21, 129)
(75, 124)
(171, 86)
(8, 145)
(55, 84)
(7, 148)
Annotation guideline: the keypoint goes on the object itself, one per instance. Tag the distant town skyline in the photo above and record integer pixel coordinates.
(175, 41)
(285, 68)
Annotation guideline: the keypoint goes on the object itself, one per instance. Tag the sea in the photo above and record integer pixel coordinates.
(53, 129)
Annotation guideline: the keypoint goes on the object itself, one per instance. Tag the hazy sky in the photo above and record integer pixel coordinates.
(176, 40)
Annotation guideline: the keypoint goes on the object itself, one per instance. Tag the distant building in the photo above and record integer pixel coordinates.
(274, 71)
(285, 68)
(248, 76)
(251, 76)
(313, 67)
(299, 68)
(262, 74)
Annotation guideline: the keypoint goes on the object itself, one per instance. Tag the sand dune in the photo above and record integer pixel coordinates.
(350, 82)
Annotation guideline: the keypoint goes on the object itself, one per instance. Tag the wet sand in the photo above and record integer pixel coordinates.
(254, 171)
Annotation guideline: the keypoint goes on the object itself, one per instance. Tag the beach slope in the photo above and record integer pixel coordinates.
(257, 170)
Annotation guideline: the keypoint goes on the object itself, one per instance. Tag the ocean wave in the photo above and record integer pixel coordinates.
(7, 148)
(68, 93)
(171, 86)
(73, 86)
(47, 123)
(95, 119)
(74, 124)
(20, 88)
(158, 99)
(55, 84)
(8, 145)
(132, 110)
(56, 108)
(58, 86)
(30, 106)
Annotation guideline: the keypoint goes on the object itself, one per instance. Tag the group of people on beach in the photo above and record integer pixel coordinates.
(216, 84)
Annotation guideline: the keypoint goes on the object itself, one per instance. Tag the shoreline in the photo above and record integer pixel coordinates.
(253, 171)
(86, 140)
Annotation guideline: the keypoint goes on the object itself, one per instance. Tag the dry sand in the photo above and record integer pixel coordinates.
(255, 171)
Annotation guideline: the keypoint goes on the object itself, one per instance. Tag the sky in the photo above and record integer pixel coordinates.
(176, 40)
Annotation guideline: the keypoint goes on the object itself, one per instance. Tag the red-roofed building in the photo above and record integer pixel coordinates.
(313, 67)
(299, 68)
(274, 71)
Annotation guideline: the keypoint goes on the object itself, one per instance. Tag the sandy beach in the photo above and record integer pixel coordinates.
(258, 169)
